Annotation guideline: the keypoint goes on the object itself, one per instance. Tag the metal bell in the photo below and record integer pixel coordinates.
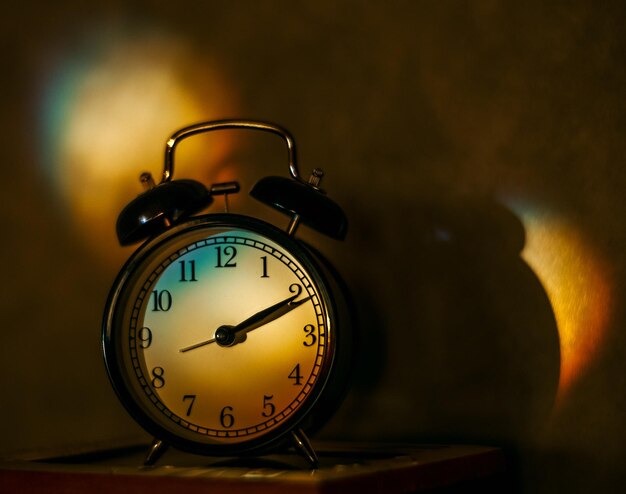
(160, 207)
(304, 202)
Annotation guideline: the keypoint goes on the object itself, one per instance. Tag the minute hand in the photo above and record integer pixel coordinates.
(268, 315)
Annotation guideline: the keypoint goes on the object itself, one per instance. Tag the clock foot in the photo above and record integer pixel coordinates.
(303, 446)
(157, 448)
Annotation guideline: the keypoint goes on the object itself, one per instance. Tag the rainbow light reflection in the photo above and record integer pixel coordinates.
(577, 283)
(106, 115)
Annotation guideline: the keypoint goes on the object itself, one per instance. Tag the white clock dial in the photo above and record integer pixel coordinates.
(223, 336)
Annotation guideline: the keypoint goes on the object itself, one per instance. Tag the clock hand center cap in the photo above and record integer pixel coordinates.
(225, 336)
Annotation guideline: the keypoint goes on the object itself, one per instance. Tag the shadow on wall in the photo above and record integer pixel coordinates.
(469, 348)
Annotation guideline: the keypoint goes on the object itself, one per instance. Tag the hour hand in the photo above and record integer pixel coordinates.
(230, 335)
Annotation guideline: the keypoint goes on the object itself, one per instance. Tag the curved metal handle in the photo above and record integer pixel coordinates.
(168, 170)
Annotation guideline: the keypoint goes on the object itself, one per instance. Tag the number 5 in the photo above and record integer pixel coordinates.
(268, 407)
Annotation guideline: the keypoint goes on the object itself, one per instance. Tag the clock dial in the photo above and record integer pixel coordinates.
(224, 336)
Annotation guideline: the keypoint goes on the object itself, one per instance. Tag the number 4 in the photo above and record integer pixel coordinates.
(296, 376)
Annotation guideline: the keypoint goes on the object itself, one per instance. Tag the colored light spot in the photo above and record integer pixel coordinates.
(578, 285)
(106, 115)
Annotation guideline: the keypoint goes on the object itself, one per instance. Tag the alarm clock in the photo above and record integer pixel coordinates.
(223, 334)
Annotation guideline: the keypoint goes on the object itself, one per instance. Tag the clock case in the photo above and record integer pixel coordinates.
(167, 210)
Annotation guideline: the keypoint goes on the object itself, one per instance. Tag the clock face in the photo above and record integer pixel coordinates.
(219, 335)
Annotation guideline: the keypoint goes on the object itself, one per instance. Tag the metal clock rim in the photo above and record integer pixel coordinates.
(277, 436)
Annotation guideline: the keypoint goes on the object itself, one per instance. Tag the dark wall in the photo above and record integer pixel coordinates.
(477, 149)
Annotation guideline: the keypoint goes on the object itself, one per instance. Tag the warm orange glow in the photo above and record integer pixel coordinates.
(125, 101)
(578, 286)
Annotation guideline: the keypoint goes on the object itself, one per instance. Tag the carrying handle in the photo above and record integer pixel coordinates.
(170, 147)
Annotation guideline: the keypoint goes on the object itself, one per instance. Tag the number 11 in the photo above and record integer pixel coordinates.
(187, 274)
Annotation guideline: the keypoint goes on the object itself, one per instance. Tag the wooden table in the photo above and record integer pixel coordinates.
(343, 468)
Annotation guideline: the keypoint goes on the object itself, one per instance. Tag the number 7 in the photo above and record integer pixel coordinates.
(193, 399)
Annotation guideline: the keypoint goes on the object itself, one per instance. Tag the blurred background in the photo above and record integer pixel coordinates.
(476, 147)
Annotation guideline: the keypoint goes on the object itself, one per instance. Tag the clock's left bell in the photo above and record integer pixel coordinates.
(159, 207)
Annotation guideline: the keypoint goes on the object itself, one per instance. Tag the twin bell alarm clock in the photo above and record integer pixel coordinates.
(225, 335)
